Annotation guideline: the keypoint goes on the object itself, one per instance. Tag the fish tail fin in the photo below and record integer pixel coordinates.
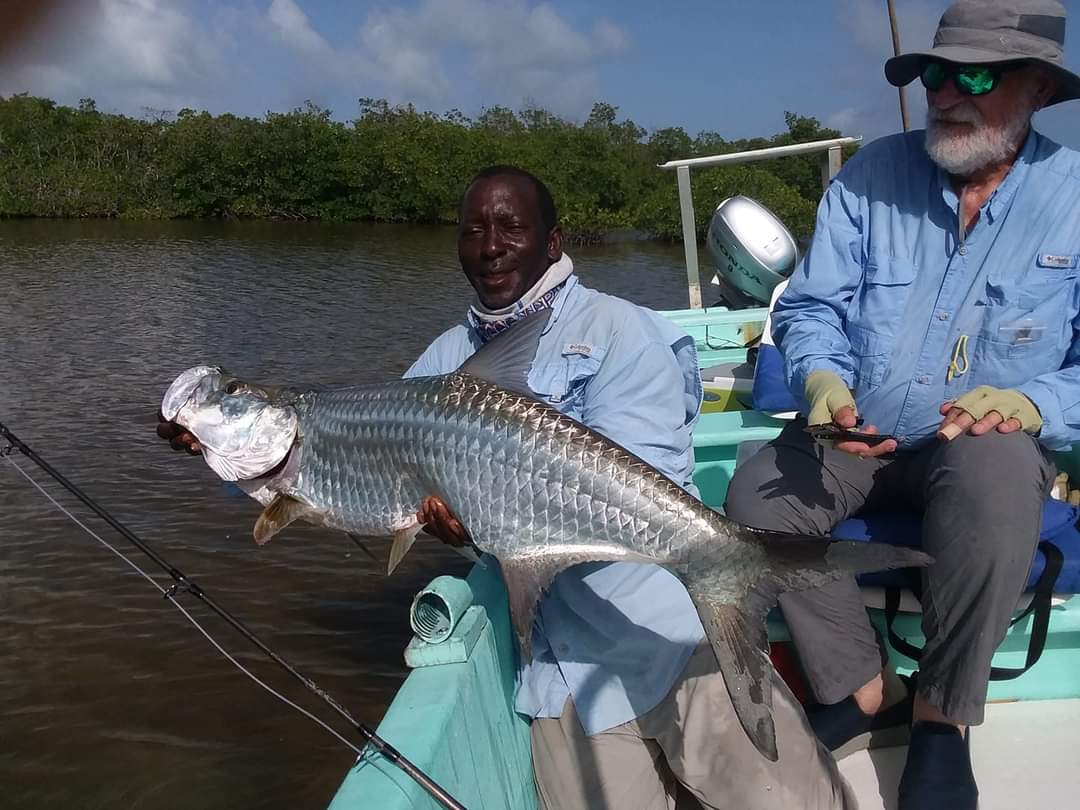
(733, 605)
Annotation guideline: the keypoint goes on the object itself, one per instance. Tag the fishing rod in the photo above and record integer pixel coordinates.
(182, 582)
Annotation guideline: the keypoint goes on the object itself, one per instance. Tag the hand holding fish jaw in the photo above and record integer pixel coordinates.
(179, 437)
(437, 519)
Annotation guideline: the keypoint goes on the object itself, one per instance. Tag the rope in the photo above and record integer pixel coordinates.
(959, 365)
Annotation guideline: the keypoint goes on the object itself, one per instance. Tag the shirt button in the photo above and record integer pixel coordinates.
(962, 251)
(923, 380)
(943, 316)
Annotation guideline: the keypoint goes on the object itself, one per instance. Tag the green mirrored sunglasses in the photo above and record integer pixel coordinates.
(970, 80)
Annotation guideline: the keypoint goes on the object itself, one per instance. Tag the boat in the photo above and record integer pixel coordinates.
(453, 716)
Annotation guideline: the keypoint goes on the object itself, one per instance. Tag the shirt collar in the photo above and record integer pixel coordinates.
(1002, 197)
(560, 301)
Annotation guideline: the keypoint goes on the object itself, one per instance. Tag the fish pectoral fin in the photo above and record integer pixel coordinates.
(280, 512)
(738, 638)
(403, 541)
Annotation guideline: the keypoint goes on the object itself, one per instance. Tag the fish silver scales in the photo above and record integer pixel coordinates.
(534, 488)
(517, 472)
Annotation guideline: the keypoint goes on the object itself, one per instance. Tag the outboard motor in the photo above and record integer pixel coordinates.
(752, 251)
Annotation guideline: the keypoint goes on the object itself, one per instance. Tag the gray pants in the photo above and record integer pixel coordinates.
(981, 498)
(694, 736)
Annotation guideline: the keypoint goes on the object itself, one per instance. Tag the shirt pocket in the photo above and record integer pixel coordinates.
(562, 381)
(1025, 326)
(879, 302)
(1003, 360)
(871, 354)
(1025, 313)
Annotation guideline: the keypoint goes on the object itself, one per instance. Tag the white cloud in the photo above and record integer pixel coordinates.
(843, 120)
(868, 21)
(514, 48)
(247, 56)
(147, 52)
(610, 37)
(292, 25)
(871, 109)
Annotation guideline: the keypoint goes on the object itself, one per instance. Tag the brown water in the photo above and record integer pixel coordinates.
(108, 698)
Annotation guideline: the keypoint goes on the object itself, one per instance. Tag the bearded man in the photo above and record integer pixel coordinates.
(940, 300)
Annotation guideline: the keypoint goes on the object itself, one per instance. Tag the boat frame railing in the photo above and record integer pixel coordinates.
(830, 164)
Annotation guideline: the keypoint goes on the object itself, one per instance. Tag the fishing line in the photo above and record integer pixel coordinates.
(172, 598)
(182, 582)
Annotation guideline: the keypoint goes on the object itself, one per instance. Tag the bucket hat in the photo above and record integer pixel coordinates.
(986, 32)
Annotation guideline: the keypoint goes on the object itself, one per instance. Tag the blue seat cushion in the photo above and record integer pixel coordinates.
(905, 529)
(769, 392)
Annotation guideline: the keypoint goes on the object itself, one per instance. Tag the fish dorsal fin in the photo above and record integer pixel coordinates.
(281, 511)
(506, 359)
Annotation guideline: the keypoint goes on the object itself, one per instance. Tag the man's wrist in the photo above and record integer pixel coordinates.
(826, 393)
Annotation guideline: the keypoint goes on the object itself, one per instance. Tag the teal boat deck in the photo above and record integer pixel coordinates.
(456, 721)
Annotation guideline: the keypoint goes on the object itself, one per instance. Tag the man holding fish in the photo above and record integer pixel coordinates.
(590, 463)
(940, 300)
(618, 665)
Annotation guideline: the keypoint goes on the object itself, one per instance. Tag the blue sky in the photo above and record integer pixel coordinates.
(729, 67)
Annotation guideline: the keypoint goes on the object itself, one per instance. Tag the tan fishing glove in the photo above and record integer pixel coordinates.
(1011, 404)
(827, 394)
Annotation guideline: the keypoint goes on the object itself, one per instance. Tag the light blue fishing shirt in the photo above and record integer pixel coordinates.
(614, 636)
(890, 293)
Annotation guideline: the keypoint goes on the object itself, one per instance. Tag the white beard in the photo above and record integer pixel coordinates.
(967, 152)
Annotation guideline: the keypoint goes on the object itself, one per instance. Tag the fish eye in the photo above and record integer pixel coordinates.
(234, 387)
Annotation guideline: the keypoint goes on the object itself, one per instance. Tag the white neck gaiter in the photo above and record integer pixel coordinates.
(491, 322)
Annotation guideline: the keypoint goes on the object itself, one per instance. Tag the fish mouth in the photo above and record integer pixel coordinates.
(234, 448)
(185, 388)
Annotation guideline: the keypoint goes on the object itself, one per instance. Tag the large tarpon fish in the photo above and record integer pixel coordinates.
(534, 488)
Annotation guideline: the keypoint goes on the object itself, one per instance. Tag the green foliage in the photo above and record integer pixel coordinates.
(390, 164)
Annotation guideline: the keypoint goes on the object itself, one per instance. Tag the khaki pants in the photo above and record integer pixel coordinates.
(692, 736)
